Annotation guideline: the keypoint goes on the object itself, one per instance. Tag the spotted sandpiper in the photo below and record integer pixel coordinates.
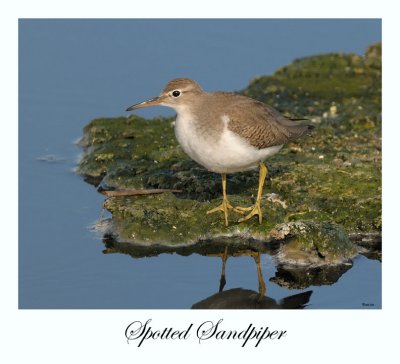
(226, 133)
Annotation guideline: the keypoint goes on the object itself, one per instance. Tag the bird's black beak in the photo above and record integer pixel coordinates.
(150, 102)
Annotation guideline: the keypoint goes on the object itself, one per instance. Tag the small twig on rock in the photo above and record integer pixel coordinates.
(137, 192)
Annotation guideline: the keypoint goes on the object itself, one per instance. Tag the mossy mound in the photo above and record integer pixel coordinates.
(313, 243)
(332, 178)
(311, 85)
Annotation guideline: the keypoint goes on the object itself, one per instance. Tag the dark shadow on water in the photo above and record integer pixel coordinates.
(239, 298)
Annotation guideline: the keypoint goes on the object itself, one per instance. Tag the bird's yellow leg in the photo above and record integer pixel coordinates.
(261, 284)
(225, 205)
(256, 209)
(222, 280)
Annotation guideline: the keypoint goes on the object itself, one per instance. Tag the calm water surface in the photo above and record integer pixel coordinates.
(73, 71)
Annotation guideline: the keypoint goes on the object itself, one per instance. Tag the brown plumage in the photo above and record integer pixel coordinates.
(260, 124)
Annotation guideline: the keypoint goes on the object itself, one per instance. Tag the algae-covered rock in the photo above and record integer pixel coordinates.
(312, 85)
(313, 243)
(329, 182)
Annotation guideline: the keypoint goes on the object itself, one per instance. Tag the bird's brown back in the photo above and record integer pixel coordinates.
(261, 125)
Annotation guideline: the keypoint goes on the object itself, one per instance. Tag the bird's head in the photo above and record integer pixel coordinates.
(177, 94)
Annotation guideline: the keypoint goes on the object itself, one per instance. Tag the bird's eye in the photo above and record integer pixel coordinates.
(176, 93)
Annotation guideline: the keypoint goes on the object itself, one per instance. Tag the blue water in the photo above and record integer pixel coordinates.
(71, 71)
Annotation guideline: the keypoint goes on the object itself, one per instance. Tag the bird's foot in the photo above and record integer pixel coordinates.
(224, 207)
(254, 210)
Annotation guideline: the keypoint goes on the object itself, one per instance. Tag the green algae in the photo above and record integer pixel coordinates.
(331, 179)
(311, 85)
(166, 220)
(310, 242)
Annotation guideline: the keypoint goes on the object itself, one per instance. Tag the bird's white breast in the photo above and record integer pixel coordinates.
(223, 153)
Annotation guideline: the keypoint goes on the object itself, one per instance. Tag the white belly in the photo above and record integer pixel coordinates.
(228, 153)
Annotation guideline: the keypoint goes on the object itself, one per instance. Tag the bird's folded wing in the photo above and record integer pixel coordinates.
(261, 125)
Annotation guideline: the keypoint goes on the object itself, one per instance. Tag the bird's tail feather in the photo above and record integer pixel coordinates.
(299, 300)
(297, 131)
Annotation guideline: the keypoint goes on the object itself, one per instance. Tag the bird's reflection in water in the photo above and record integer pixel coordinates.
(239, 298)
